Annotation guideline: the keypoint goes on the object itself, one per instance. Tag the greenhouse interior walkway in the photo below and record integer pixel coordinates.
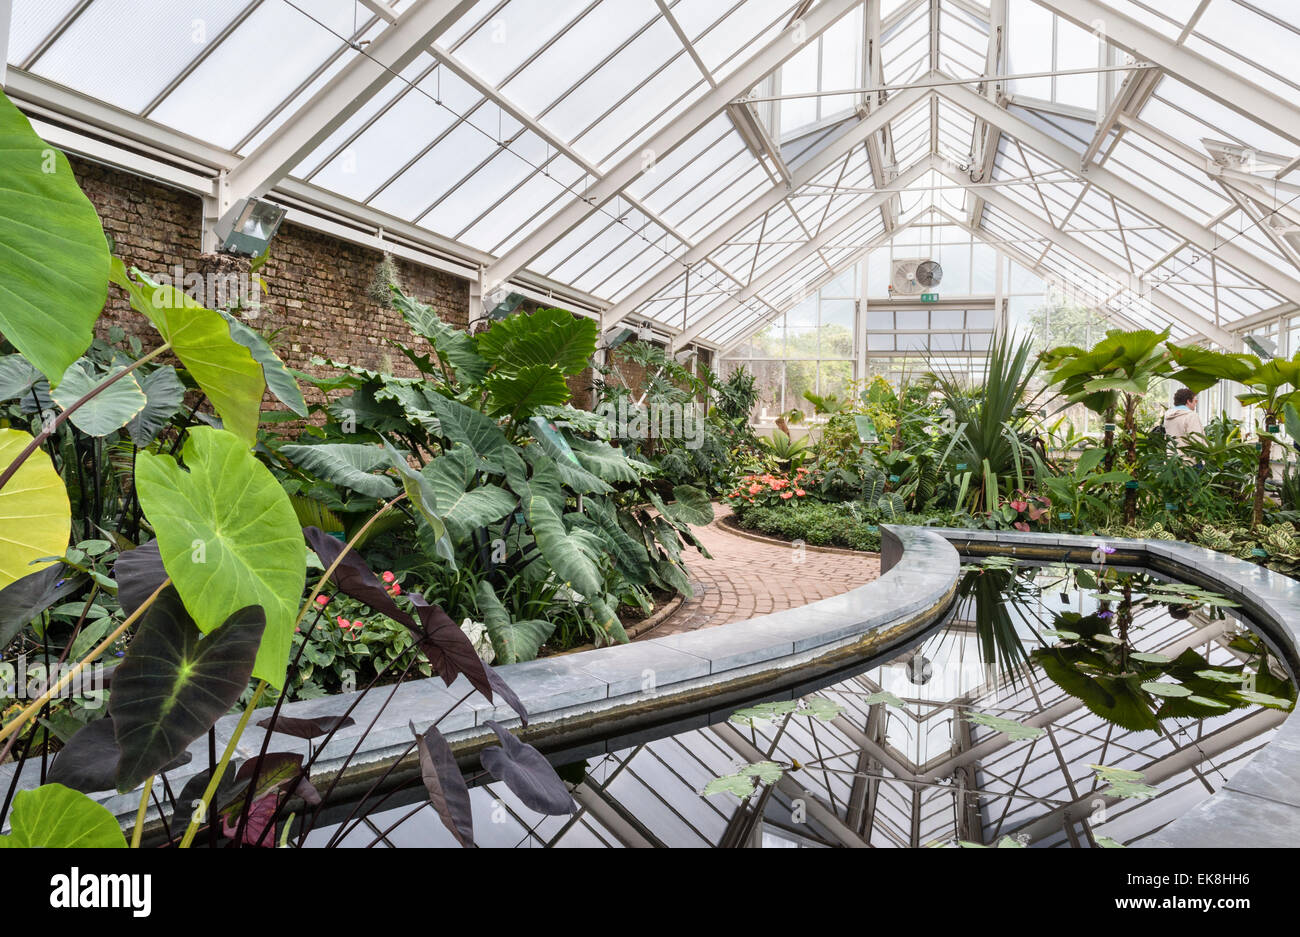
(749, 577)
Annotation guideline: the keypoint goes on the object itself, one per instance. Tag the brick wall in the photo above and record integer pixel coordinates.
(317, 302)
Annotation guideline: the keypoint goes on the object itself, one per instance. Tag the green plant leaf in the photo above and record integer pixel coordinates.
(351, 466)
(691, 506)
(174, 683)
(513, 641)
(462, 506)
(454, 346)
(559, 550)
(53, 253)
(164, 393)
(229, 538)
(1174, 690)
(201, 339)
(109, 410)
(548, 337)
(518, 394)
(421, 495)
(464, 425)
(1016, 731)
(35, 516)
(820, 708)
(279, 380)
(56, 817)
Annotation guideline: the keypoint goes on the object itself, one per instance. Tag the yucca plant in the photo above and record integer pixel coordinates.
(986, 424)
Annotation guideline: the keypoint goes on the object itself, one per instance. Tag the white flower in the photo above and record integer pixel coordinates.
(477, 633)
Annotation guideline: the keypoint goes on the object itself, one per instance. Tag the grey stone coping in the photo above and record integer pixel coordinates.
(1260, 805)
(589, 702)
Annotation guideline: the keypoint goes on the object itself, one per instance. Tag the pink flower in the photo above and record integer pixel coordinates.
(787, 495)
(388, 576)
(755, 489)
(800, 492)
(396, 590)
(343, 622)
(322, 600)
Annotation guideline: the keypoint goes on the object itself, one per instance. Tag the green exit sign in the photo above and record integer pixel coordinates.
(929, 297)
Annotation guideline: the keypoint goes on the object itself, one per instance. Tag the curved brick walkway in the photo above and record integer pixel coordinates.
(746, 578)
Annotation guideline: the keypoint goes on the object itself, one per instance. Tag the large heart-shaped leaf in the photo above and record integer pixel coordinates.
(465, 425)
(347, 465)
(547, 337)
(564, 556)
(223, 368)
(110, 409)
(53, 253)
(55, 817)
(448, 792)
(603, 460)
(462, 505)
(692, 506)
(174, 683)
(528, 774)
(229, 538)
(18, 379)
(421, 495)
(518, 395)
(88, 761)
(513, 641)
(139, 573)
(164, 393)
(22, 601)
(35, 517)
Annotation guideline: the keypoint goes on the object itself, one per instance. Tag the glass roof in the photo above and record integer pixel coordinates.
(703, 167)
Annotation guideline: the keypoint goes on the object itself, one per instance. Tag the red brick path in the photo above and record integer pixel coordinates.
(746, 578)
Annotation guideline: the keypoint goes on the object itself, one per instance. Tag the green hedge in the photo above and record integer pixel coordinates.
(828, 525)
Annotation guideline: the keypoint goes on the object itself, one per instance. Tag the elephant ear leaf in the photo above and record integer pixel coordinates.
(348, 465)
(115, 406)
(56, 255)
(56, 817)
(448, 792)
(548, 337)
(513, 641)
(528, 774)
(228, 536)
(174, 683)
(35, 515)
(223, 368)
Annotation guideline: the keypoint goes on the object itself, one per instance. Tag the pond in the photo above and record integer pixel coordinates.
(1058, 705)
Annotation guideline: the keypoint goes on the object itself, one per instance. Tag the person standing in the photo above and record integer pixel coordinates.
(1182, 420)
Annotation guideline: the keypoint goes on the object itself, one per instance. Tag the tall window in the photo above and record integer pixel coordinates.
(810, 348)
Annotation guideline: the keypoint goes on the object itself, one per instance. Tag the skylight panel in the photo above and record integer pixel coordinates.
(247, 95)
(510, 35)
(136, 64)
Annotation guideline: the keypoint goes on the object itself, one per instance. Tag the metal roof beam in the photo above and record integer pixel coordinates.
(809, 250)
(1133, 195)
(1141, 41)
(1100, 263)
(345, 94)
(772, 56)
(736, 224)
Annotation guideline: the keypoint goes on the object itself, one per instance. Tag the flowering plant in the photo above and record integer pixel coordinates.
(767, 488)
(1021, 510)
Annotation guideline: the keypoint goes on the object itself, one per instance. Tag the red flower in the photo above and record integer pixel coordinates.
(388, 576)
(322, 600)
(396, 590)
(787, 495)
(800, 492)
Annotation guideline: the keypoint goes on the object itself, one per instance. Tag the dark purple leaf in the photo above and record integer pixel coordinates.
(528, 774)
(175, 683)
(449, 650)
(88, 761)
(307, 728)
(24, 599)
(499, 685)
(139, 573)
(353, 577)
(448, 792)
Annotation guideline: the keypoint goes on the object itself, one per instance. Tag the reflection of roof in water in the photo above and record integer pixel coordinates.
(881, 774)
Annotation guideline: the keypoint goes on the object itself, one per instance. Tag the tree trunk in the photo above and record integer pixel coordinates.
(1130, 452)
(1262, 476)
(1108, 441)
